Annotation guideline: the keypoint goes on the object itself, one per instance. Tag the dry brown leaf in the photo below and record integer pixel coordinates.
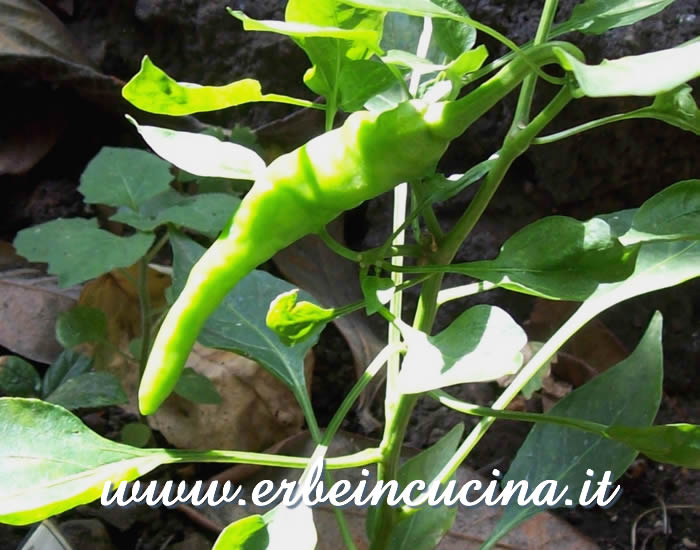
(26, 137)
(470, 529)
(30, 302)
(256, 410)
(115, 293)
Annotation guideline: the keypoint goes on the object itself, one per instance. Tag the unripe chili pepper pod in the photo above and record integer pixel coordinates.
(302, 191)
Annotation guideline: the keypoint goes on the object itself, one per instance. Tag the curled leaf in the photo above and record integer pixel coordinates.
(294, 322)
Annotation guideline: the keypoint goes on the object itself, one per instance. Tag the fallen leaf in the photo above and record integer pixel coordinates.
(256, 410)
(30, 302)
(26, 137)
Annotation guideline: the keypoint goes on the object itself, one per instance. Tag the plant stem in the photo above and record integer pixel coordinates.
(452, 118)
(362, 458)
(469, 408)
(457, 292)
(527, 92)
(373, 368)
(145, 308)
(305, 404)
(644, 112)
(338, 247)
(514, 145)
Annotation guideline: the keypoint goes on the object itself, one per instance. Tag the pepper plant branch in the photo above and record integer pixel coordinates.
(476, 410)
(361, 458)
(644, 112)
(513, 146)
(145, 309)
(397, 411)
(463, 291)
(527, 91)
(571, 326)
(373, 368)
(425, 207)
(338, 247)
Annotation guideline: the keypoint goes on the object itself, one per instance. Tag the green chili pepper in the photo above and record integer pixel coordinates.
(302, 191)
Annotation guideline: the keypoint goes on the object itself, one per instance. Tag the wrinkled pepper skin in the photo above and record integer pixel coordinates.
(302, 191)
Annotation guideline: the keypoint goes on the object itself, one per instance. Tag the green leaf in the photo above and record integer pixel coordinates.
(677, 444)
(637, 75)
(599, 400)
(333, 35)
(482, 344)
(418, 8)
(152, 90)
(68, 365)
(676, 107)
(440, 188)
(599, 16)
(197, 388)
(467, 62)
(51, 462)
(558, 258)
(411, 61)
(672, 214)
(69, 246)
(402, 32)
(659, 265)
(135, 434)
(79, 325)
(366, 37)
(206, 213)
(249, 533)
(361, 79)
(124, 177)
(201, 154)
(18, 378)
(424, 529)
(296, 321)
(271, 531)
(453, 37)
(239, 323)
(91, 389)
(377, 291)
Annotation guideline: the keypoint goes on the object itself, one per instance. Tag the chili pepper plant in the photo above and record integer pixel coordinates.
(398, 81)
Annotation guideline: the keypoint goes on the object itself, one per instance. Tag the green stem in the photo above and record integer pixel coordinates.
(305, 403)
(645, 112)
(145, 309)
(156, 247)
(527, 91)
(452, 118)
(514, 145)
(462, 291)
(425, 207)
(476, 410)
(398, 409)
(373, 368)
(338, 247)
(362, 458)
